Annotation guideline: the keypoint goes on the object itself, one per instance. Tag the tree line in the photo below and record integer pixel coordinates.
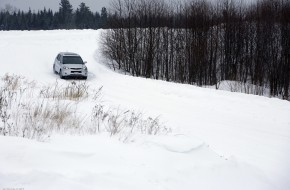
(203, 43)
(46, 19)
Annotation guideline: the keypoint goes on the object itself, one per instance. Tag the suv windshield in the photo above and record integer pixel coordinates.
(72, 60)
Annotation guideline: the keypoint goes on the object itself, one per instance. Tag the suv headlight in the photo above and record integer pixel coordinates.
(85, 68)
(65, 67)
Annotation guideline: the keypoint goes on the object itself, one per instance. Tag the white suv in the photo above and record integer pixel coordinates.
(68, 64)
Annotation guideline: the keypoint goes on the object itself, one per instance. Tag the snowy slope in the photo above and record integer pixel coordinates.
(219, 139)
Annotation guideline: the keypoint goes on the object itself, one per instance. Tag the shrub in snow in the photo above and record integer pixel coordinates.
(26, 114)
(35, 113)
(6, 124)
(126, 123)
(73, 91)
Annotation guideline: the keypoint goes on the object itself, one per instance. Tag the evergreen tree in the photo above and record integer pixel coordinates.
(97, 19)
(55, 20)
(104, 18)
(29, 19)
(84, 17)
(65, 14)
(23, 21)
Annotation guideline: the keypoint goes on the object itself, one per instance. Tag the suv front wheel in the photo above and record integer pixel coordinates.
(54, 71)
(60, 74)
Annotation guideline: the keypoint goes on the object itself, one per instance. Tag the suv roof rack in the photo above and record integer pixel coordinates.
(69, 54)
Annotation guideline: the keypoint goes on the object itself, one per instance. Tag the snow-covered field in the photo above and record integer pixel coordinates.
(219, 139)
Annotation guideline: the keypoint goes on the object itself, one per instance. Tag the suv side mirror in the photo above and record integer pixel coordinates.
(85, 62)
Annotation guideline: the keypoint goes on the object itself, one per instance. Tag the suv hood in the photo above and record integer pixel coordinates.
(77, 66)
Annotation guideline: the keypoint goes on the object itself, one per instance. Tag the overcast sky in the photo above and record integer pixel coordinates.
(95, 5)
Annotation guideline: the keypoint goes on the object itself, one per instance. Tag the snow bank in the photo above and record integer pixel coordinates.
(173, 162)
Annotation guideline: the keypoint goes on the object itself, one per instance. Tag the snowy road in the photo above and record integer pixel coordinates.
(220, 140)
